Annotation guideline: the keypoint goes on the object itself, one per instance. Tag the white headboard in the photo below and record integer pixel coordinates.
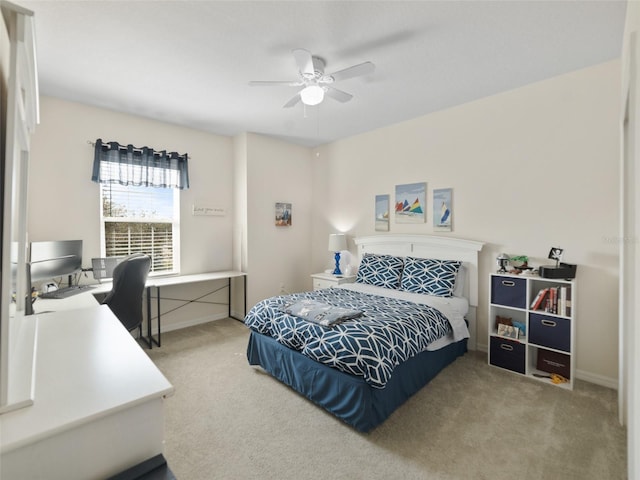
(441, 248)
(427, 246)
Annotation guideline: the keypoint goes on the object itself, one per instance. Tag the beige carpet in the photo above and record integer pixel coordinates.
(228, 420)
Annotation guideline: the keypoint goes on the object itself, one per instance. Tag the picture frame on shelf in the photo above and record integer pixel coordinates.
(508, 331)
(556, 254)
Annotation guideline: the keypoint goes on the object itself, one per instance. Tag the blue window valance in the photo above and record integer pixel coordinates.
(129, 165)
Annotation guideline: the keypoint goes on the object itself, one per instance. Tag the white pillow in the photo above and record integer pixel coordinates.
(458, 288)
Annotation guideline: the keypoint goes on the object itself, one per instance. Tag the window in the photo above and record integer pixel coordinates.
(141, 219)
(139, 192)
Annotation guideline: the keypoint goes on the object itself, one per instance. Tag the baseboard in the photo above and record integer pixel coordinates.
(597, 379)
(191, 322)
(594, 378)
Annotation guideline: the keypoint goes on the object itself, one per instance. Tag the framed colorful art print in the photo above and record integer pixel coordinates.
(411, 203)
(442, 209)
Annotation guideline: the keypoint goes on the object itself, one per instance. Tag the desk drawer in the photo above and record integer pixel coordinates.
(552, 332)
(508, 291)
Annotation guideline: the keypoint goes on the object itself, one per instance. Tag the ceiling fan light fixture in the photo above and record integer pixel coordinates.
(312, 95)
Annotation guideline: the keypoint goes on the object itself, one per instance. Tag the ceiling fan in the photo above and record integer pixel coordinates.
(314, 82)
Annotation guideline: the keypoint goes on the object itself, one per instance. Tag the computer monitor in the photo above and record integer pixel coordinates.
(53, 259)
(103, 267)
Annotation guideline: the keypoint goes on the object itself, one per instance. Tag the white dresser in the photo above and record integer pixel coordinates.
(98, 403)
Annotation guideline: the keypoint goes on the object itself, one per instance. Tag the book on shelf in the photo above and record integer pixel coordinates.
(549, 305)
(535, 305)
(556, 300)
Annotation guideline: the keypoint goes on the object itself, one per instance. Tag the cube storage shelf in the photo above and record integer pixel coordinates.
(547, 344)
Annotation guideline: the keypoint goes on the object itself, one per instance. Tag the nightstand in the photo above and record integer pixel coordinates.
(328, 280)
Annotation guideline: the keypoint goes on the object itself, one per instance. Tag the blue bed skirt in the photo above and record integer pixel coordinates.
(347, 397)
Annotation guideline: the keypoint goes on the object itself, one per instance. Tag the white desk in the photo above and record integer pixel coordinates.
(98, 406)
(158, 282)
(87, 299)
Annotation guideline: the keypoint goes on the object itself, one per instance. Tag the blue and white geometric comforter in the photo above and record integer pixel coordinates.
(389, 332)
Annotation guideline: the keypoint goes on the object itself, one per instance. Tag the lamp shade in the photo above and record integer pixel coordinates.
(312, 95)
(337, 242)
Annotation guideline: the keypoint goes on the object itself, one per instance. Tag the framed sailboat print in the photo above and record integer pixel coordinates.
(442, 210)
(382, 213)
(410, 206)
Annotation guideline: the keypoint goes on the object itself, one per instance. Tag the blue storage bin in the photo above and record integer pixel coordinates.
(507, 354)
(509, 291)
(551, 332)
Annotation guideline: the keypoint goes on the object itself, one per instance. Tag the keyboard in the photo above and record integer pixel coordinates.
(65, 292)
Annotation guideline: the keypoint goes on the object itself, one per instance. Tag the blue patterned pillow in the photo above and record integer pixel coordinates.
(380, 270)
(432, 277)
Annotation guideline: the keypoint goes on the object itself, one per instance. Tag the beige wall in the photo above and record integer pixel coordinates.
(530, 168)
(278, 258)
(64, 203)
(60, 176)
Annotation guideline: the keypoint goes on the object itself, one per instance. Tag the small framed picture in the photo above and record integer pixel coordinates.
(382, 213)
(508, 331)
(283, 214)
(442, 209)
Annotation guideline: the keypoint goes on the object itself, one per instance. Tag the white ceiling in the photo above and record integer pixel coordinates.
(189, 62)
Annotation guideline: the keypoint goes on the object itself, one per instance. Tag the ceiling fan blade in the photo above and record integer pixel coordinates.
(293, 101)
(303, 60)
(354, 71)
(269, 83)
(338, 95)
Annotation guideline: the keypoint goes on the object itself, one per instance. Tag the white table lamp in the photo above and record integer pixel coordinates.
(337, 243)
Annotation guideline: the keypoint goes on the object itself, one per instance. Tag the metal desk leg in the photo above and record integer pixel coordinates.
(147, 341)
(244, 278)
(158, 343)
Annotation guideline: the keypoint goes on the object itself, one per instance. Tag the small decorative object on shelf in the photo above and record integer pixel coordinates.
(559, 270)
(533, 333)
(520, 264)
(503, 262)
(556, 254)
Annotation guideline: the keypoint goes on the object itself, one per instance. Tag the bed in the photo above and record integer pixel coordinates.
(361, 350)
